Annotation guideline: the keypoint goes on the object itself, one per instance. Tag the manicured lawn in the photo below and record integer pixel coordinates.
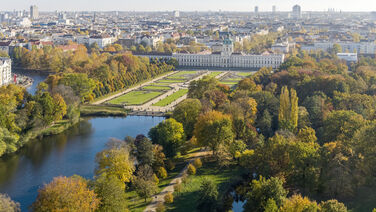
(244, 74)
(160, 88)
(135, 97)
(160, 84)
(168, 100)
(215, 73)
(100, 110)
(228, 83)
(187, 200)
(170, 81)
(184, 73)
(176, 78)
(233, 79)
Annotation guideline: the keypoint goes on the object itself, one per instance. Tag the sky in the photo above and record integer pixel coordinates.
(186, 5)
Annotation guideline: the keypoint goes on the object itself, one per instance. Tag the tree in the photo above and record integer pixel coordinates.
(336, 48)
(187, 113)
(7, 205)
(169, 134)
(81, 84)
(288, 109)
(341, 125)
(199, 87)
(297, 203)
(262, 190)
(214, 129)
(144, 182)
(66, 194)
(332, 206)
(115, 162)
(162, 173)
(364, 143)
(208, 195)
(169, 198)
(144, 150)
(110, 191)
(191, 170)
(271, 206)
(197, 163)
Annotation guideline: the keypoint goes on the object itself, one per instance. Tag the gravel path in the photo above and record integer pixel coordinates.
(170, 188)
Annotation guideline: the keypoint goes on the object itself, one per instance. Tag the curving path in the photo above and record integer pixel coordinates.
(159, 198)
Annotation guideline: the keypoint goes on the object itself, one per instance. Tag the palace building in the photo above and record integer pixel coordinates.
(226, 58)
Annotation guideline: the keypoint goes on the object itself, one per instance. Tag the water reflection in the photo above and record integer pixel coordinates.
(66, 154)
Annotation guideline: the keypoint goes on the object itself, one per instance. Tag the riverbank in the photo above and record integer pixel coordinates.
(102, 111)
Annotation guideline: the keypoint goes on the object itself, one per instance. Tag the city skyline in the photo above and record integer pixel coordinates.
(193, 5)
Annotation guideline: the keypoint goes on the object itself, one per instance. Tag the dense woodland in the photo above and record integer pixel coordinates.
(96, 73)
(76, 77)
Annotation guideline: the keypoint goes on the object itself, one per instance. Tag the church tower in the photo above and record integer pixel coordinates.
(228, 47)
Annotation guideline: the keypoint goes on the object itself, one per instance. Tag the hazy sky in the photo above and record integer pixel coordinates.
(187, 5)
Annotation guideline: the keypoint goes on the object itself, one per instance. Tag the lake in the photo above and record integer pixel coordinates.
(66, 154)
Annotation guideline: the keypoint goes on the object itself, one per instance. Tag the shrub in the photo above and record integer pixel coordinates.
(169, 198)
(184, 178)
(162, 173)
(160, 207)
(191, 169)
(197, 163)
(170, 165)
(155, 179)
(177, 187)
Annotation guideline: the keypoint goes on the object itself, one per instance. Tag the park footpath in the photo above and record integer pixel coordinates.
(132, 89)
(159, 198)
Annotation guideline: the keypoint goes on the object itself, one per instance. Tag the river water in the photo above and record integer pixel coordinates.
(66, 154)
(36, 76)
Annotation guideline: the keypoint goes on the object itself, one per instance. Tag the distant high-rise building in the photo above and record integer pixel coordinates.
(373, 16)
(296, 12)
(34, 13)
(256, 9)
(274, 9)
(176, 14)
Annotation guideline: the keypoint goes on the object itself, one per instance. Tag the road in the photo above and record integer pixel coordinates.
(159, 198)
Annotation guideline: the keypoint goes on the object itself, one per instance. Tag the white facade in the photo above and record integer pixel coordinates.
(5, 71)
(352, 47)
(348, 57)
(101, 41)
(227, 59)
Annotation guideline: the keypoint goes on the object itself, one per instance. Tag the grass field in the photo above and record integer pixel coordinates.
(160, 84)
(233, 79)
(187, 200)
(183, 73)
(170, 81)
(244, 74)
(215, 73)
(228, 83)
(99, 110)
(168, 100)
(135, 97)
(158, 88)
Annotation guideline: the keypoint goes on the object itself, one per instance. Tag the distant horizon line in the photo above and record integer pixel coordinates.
(190, 11)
